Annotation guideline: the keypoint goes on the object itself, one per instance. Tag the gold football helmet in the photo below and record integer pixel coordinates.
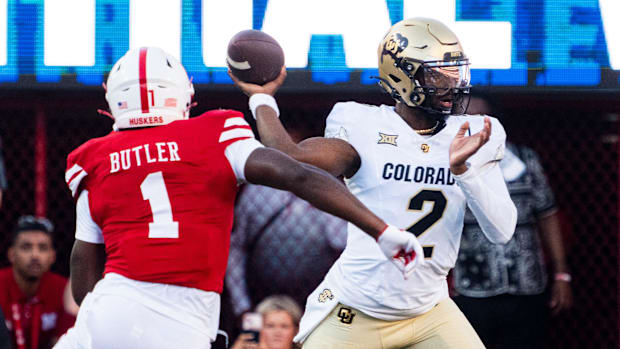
(422, 57)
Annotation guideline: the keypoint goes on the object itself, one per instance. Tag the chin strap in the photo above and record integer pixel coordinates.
(105, 112)
(464, 105)
(395, 95)
(438, 116)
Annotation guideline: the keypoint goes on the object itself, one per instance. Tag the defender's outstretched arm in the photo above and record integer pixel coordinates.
(273, 168)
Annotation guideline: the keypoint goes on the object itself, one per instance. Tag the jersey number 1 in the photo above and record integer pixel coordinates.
(154, 190)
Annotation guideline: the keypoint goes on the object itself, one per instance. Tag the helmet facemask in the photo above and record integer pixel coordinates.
(444, 86)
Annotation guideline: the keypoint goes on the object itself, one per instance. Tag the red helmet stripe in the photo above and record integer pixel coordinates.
(144, 97)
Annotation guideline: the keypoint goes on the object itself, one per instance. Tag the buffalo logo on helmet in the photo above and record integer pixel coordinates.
(396, 44)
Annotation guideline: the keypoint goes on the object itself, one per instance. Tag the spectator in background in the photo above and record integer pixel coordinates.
(493, 281)
(3, 183)
(281, 315)
(31, 297)
(280, 244)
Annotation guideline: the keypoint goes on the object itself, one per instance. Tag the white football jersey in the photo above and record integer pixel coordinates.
(405, 179)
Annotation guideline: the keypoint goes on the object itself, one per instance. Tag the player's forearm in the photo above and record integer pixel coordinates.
(272, 132)
(87, 264)
(330, 195)
(489, 200)
(272, 168)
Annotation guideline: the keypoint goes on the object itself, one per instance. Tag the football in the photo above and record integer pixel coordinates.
(254, 56)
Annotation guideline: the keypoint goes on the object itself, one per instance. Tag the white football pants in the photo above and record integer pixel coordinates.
(115, 322)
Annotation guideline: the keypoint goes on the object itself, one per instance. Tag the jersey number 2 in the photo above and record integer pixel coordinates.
(154, 190)
(423, 224)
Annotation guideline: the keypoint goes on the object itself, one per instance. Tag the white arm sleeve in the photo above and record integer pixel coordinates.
(237, 154)
(85, 228)
(488, 198)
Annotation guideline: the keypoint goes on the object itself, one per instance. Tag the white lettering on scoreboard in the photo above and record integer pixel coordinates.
(609, 11)
(156, 23)
(69, 32)
(71, 43)
(218, 29)
(4, 28)
(487, 44)
(361, 27)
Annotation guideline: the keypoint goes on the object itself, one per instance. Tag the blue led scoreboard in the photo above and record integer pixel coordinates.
(514, 43)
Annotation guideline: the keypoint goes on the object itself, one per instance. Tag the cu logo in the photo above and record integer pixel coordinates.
(346, 315)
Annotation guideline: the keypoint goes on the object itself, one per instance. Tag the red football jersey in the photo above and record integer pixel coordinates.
(163, 197)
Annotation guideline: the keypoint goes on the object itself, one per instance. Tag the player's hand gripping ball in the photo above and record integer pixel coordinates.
(254, 57)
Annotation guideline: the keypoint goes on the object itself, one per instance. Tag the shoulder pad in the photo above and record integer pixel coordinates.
(75, 173)
(221, 125)
(221, 113)
(344, 118)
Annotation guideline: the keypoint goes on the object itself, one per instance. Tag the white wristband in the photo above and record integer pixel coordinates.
(259, 99)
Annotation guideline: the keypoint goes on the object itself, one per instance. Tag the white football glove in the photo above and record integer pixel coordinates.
(401, 248)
